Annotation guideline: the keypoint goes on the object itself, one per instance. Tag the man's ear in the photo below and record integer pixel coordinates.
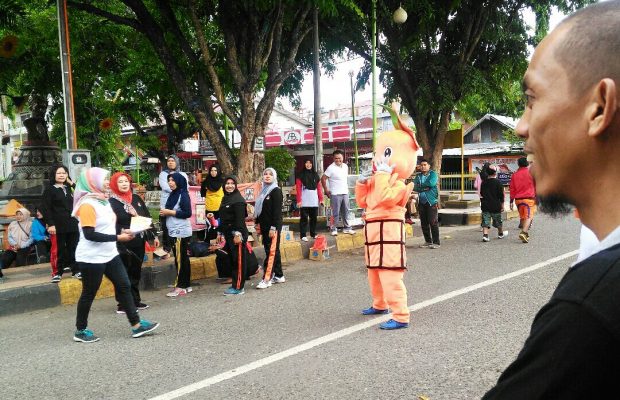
(602, 107)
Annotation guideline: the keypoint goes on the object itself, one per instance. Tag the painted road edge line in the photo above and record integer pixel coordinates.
(348, 331)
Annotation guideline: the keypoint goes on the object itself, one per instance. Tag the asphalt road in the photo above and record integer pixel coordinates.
(305, 339)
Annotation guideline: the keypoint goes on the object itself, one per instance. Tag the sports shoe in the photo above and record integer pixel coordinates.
(525, 237)
(350, 231)
(177, 292)
(56, 278)
(485, 238)
(425, 245)
(85, 336)
(144, 328)
(142, 306)
(189, 289)
(391, 324)
(409, 221)
(263, 284)
(77, 275)
(334, 232)
(276, 279)
(66, 269)
(304, 239)
(120, 310)
(434, 246)
(373, 311)
(231, 291)
(503, 235)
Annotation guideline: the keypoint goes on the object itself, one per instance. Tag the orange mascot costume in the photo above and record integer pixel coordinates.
(383, 194)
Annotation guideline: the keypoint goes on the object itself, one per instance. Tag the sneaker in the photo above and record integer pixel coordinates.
(276, 279)
(434, 246)
(350, 231)
(304, 239)
(485, 238)
(503, 235)
(120, 310)
(144, 328)
(142, 306)
(409, 221)
(373, 311)
(425, 245)
(56, 278)
(263, 284)
(231, 291)
(525, 237)
(177, 292)
(189, 289)
(391, 324)
(66, 269)
(334, 232)
(77, 275)
(85, 336)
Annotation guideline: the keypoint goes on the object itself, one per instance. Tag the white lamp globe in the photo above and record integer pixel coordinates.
(400, 16)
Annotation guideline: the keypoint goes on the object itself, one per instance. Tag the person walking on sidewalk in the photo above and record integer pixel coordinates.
(57, 206)
(309, 196)
(177, 212)
(425, 184)
(523, 194)
(172, 166)
(127, 205)
(97, 254)
(268, 217)
(232, 225)
(337, 175)
(492, 204)
(572, 112)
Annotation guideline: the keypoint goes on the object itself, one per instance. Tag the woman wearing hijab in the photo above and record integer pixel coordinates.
(232, 226)
(126, 205)
(177, 212)
(172, 165)
(268, 216)
(211, 190)
(97, 254)
(309, 196)
(20, 240)
(56, 207)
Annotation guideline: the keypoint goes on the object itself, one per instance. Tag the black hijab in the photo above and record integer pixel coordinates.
(181, 184)
(308, 177)
(234, 197)
(213, 183)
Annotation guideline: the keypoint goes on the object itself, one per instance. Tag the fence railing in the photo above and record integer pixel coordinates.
(452, 181)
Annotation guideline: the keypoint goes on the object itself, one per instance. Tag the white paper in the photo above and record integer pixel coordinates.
(140, 224)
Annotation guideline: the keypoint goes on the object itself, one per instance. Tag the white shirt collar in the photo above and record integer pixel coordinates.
(589, 244)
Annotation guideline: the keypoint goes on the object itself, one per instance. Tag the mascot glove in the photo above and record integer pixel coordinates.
(384, 167)
(364, 176)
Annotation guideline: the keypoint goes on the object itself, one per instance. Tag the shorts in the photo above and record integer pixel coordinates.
(526, 208)
(488, 216)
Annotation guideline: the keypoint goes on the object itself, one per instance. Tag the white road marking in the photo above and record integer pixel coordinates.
(348, 331)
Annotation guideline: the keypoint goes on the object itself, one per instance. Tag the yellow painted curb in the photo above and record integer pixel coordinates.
(197, 268)
(344, 242)
(359, 240)
(291, 251)
(408, 231)
(71, 289)
(209, 266)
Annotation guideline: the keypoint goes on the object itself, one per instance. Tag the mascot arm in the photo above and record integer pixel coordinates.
(361, 191)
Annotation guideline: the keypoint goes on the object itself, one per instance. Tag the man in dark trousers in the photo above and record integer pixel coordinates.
(492, 204)
(425, 184)
(572, 89)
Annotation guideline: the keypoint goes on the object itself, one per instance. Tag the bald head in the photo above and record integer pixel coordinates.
(589, 49)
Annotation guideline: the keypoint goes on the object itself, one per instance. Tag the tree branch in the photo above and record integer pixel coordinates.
(134, 23)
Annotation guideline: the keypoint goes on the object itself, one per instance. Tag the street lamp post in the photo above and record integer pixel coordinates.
(357, 164)
(65, 64)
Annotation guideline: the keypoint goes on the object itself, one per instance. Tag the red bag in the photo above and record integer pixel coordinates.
(320, 242)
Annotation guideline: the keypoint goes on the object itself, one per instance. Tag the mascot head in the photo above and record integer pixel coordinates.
(398, 148)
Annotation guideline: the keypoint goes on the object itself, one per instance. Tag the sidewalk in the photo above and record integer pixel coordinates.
(29, 288)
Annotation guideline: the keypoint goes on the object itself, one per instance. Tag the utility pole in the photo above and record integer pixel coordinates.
(316, 74)
(65, 64)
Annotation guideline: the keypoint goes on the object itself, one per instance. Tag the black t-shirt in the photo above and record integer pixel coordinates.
(491, 195)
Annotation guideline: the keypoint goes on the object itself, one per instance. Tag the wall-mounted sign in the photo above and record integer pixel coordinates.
(258, 144)
(292, 137)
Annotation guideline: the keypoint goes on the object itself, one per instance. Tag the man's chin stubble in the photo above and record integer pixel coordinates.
(554, 205)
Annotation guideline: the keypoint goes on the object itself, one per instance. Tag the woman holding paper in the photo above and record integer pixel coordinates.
(127, 205)
(177, 211)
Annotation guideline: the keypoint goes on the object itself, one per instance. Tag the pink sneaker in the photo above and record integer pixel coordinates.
(177, 292)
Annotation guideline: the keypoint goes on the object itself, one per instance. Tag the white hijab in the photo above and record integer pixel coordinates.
(266, 189)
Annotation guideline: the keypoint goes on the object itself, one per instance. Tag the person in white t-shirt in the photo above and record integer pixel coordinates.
(338, 192)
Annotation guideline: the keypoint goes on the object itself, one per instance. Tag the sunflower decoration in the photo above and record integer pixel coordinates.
(8, 46)
(106, 124)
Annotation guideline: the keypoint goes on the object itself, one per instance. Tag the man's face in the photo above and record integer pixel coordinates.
(553, 123)
(338, 158)
(172, 164)
(425, 167)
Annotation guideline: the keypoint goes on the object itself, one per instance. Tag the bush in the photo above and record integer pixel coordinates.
(281, 160)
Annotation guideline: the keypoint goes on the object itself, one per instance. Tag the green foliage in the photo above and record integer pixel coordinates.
(281, 160)
(511, 137)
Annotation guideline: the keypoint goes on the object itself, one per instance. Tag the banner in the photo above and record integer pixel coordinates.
(506, 166)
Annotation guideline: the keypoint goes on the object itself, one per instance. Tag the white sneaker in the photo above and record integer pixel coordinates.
(189, 289)
(334, 232)
(485, 238)
(503, 235)
(275, 279)
(350, 231)
(304, 239)
(263, 284)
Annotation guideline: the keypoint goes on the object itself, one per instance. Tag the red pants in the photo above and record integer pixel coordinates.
(388, 291)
